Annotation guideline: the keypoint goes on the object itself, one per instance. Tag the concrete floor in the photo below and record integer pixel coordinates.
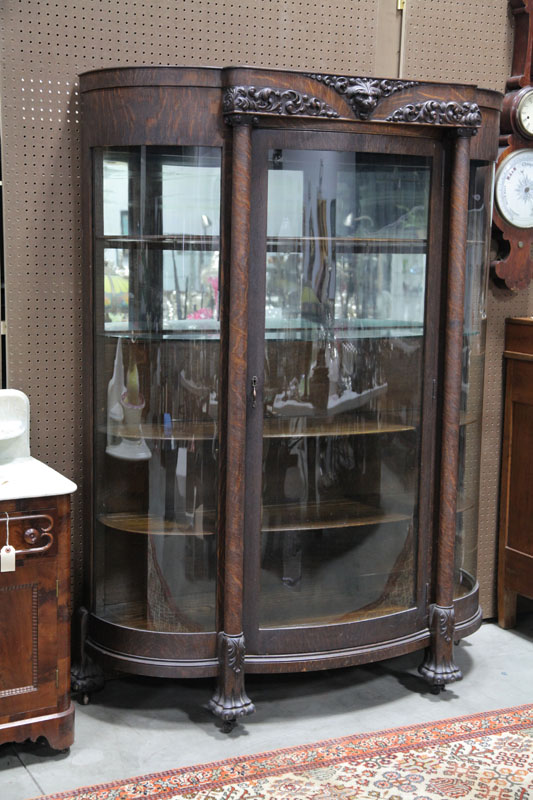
(137, 726)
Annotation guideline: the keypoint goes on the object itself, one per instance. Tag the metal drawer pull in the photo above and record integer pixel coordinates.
(34, 535)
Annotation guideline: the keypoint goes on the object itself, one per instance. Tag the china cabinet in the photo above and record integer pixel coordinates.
(285, 323)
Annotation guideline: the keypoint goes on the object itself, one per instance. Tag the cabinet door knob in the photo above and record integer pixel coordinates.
(254, 391)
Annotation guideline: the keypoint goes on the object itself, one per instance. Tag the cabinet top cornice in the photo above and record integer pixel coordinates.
(251, 94)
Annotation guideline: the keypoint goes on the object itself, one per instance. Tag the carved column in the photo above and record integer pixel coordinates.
(438, 667)
(230, 700)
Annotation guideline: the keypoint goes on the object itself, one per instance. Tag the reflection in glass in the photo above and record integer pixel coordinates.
(156, 245)
(345, 299)
(474, 334)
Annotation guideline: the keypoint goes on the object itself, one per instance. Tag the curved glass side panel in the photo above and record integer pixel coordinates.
(473, 364)
(156, 304)
(347, 241)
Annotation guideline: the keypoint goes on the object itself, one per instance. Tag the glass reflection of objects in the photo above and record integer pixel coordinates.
(474, 335)
(345, 298)
(156, 255)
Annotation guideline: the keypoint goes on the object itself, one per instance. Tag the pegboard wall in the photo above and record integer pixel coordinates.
(467, 41)
(46, 44)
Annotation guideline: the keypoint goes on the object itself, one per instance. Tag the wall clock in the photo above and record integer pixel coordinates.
(513, 195)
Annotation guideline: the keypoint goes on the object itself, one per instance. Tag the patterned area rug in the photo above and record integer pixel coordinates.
(483, 757)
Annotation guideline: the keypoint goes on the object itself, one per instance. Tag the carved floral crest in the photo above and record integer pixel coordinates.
(264, 100)
(439, 113)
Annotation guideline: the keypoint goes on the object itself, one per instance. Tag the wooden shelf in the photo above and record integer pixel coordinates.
(337, 513)
(290, 427)
(152, 525)
(271, 621)
(464, 504)
(274, 428)
(205, 430)
(194, 619)
(467, 419)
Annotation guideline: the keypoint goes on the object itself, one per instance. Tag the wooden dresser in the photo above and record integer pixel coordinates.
(515, 571)
(34, 588)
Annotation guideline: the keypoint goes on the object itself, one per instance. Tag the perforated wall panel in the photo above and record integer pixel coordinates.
(46, 44)
(458, 40)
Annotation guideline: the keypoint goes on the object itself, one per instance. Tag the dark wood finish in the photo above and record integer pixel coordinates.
(522, 74)
(515, 565)
(230, 700)
(438, 667)
(35, 624)
(245, 112)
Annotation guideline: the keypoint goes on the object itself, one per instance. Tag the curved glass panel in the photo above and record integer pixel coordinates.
(344, 338)
(156, 274)
(473, 365)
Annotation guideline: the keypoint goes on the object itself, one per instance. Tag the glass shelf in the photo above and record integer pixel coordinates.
(290, 329)
(168, 241)
(347, 244)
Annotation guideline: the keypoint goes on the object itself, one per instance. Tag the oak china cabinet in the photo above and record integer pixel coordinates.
(285, 323)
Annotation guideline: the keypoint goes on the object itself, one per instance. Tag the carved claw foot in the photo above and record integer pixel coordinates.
(230, 700)
(438, 667)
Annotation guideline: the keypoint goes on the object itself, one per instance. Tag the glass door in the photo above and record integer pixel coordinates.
(339, 346)
(156, 273)
(473, 371)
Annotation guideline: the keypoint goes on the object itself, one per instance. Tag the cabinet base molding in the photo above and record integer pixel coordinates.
(57, 729)
(438, 667)
(152, 667)
(230, 700)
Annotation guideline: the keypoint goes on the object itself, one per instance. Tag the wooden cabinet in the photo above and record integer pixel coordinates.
(286, 275)
(35, 623)
(515, 567)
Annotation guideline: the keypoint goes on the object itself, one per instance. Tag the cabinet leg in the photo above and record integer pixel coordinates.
(230, 700)
(438, 667)
(85, 675)
(507, 608)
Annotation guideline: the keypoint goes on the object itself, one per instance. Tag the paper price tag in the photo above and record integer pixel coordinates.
(7, 558)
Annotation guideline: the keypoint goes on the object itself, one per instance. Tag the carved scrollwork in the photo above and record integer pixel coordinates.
(438, 667)
(363, 94)
(436, 112)
(235, 654)
(242, 100)
(444, 619)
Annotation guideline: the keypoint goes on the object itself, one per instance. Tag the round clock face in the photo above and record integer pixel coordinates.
(524, 114)
(514, 188)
